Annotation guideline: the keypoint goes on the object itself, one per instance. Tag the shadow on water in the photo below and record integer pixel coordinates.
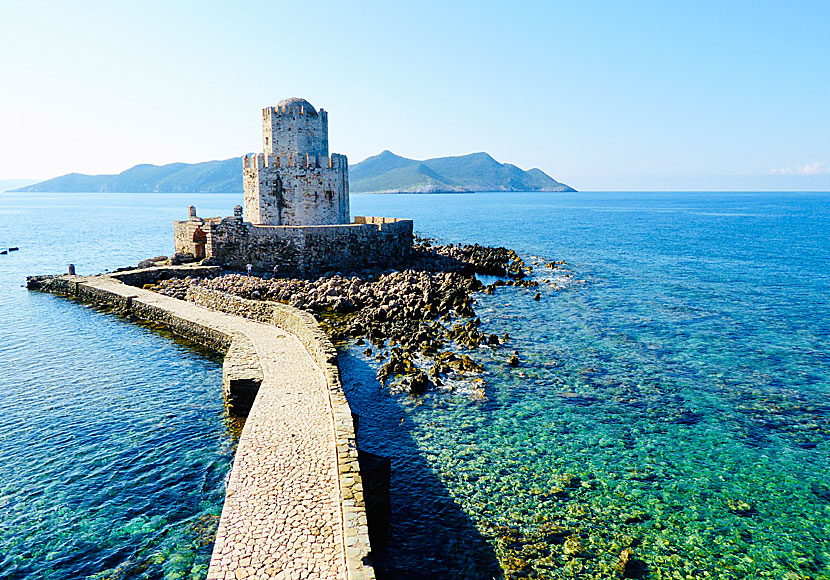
(429, 534)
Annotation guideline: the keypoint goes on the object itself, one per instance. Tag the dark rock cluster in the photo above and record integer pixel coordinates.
(411, 318)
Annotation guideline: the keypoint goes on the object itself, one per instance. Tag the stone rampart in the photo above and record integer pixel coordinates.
(231, 557)
(368, 243)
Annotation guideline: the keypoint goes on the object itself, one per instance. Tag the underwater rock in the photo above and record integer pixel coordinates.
(570, 481)
(820, 490)
(629, 566)
(635, 518)
(687, 417)
(573, 547)
(418, 383)
(741, 508)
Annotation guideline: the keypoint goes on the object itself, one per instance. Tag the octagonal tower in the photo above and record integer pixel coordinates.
(295, 181)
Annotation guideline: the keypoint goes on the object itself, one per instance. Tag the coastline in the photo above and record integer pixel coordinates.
(616, 388)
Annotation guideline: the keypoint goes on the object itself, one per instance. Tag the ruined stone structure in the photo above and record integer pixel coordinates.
(295, 218)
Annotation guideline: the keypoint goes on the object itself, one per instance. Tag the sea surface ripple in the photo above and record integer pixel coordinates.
(669, 418)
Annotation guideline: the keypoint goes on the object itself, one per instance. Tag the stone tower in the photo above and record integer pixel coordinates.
(295, 182)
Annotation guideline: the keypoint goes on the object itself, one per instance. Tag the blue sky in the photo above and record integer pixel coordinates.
(601, 95)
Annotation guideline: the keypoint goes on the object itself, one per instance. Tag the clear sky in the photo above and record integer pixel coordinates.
(600, 95)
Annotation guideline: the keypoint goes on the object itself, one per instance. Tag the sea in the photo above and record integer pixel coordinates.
(669, 417)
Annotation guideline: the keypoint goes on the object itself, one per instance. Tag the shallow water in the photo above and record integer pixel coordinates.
(672, 398)
(114, 445)
(675, 402)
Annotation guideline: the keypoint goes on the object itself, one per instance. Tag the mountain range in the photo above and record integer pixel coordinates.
(390, 173)
(383, 173)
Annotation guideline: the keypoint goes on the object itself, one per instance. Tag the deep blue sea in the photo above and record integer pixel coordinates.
(671, 408)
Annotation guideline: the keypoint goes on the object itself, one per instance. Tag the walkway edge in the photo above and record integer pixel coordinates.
(127, 299)
(305, 327)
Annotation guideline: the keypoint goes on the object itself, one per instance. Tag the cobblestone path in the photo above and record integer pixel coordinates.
(282, 513)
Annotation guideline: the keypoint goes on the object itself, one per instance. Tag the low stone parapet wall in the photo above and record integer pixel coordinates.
(303, 325)
(368, 243)
(141, 276)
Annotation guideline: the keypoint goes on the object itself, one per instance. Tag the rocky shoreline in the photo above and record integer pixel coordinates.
(419, 322)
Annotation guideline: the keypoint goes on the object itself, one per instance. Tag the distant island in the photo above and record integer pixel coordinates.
(390, 173)
(383, 173)
(10, 184)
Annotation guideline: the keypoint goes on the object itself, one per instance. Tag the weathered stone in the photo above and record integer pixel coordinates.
(285, 513)
(296, 213)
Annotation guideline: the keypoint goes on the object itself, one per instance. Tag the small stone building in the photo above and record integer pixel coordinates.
(296, 208)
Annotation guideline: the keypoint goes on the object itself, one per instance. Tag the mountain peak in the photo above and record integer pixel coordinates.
(385, 171)
(478, 171)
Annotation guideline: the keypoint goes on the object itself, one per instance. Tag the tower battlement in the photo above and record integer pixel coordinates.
(295, 181)
(295, 126)
(263, 160)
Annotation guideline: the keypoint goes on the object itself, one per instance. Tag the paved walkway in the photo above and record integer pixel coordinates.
(282, 513)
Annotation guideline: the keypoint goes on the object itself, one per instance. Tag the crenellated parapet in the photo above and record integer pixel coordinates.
(294, 126)
(306, 160)
(295, 181)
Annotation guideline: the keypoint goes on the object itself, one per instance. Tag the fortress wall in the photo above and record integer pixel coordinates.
(291, 130)
(369, 243)
(314, 195)
(296, 189)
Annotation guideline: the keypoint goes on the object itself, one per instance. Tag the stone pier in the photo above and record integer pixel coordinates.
(294, 507)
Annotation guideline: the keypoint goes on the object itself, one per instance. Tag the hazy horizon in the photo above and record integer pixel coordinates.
(599, 96)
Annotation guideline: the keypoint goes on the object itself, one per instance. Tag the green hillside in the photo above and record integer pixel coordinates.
(208, 177)
(386, 172)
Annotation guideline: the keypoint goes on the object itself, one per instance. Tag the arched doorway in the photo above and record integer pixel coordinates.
(199, 239)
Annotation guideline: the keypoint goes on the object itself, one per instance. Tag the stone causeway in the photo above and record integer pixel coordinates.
(294, 506)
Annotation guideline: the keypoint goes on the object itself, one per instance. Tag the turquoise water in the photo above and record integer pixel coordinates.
(114, 446)
(672, 398)
(675, 402)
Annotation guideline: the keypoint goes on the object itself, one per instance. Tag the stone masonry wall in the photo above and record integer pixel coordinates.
(295, 128)
(296, 189)
(303, 325)
(129, 300)
(368, 243)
